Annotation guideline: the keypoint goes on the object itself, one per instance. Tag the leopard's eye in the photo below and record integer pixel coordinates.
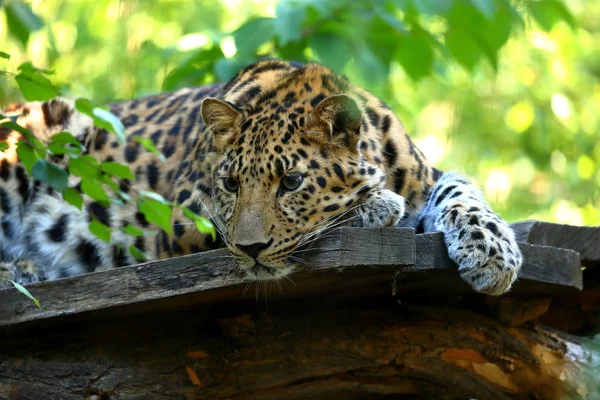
(291, 182)
(231, 184)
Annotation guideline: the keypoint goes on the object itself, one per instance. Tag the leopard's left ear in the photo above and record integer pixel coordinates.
(336, 120)
(221, 118)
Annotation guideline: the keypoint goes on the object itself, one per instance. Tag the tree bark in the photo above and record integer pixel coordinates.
(372, 351)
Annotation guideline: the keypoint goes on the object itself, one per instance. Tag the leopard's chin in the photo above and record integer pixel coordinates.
(265, 272)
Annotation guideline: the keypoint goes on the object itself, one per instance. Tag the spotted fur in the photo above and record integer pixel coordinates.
(275, 157)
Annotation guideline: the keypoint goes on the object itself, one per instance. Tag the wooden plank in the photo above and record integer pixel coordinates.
(345, 260)
(583, 239)
(545, 270)
(349, 262)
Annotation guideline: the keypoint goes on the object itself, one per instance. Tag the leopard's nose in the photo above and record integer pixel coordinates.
(254, 249)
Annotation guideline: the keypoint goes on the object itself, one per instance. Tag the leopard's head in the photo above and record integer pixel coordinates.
(286, 172)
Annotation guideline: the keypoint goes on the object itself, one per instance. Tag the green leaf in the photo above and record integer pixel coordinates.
(94, 189)
(4, 55)
(117, 169)
(21, 21)
(371, 67)
(23, 290)
(463, 47)
(415, 54)
(486, 7)
(333, 50)
(85, 166)
(100, 230)
(73, 197)
(157, 213)
(57, 148)
(549, 12)
(433, 7)
(35, 87)
(290, 18)
(252, 34)
(65, 137)
(3, 146)
(26, 155)
(102, 118)
(51, 174)
(154, 196)
(203, 225)
(132, 230)
(138, 254)
(148, 144)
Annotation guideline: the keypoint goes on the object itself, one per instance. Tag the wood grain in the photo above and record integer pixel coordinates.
(348, 262)
(583, 239)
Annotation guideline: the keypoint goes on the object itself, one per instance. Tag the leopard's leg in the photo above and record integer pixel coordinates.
(478, 240)
(23, 272)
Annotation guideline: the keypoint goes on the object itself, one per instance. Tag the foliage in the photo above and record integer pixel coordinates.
(505, 90)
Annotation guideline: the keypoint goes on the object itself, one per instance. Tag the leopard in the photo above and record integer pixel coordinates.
(276, 157)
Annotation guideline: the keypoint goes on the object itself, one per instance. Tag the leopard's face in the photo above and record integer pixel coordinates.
(281, 182)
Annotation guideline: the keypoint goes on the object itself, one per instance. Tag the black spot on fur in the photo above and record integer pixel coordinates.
(317, 99)
(4, 201)
(131, 152)
(390, 153)
(119, 257)
(443, 195)
(477, 235)
(153, 174)
(99, 212)
(21, 176)
(331, 207)
(399, 176)
(141, 219)
(183, 196)
(385, 124)
(492, 227)
(4, 170)
(322, 181)
(88, 255)
(57, 233)
(7, 228)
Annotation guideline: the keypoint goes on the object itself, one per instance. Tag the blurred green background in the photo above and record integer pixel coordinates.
(506, 92)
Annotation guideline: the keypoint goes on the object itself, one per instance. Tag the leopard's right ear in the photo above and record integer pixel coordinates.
(221, 118)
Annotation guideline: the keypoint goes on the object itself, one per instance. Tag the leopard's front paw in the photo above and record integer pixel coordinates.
(483, 246)
(380, 208)
(492, 277)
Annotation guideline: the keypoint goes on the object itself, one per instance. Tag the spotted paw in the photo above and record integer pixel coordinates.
(380, 208)
(492, 278)
(23, 272)
(483, 246)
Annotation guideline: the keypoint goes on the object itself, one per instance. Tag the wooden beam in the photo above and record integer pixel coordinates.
(348, 262)
(583, 239)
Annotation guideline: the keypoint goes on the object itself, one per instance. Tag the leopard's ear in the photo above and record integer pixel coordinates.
(221, 118)
(336, 121)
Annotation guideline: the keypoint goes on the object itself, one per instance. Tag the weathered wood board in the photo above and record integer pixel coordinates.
(583, 239)
(347, 262)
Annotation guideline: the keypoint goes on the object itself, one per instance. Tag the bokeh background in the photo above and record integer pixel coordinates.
(506, 92)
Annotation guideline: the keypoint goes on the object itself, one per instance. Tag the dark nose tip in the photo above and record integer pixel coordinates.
(254, 249)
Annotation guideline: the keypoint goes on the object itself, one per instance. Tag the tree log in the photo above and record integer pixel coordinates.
(369, 349)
